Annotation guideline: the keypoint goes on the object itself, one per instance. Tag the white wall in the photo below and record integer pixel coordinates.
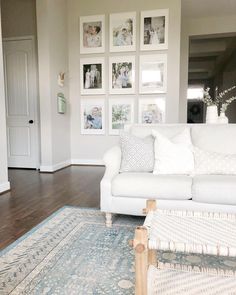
(87, 148)
(4, 184)
(18, 18)
(199, 27)
(53, 58)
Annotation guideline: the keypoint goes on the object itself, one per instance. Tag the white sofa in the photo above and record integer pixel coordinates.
(126, 193)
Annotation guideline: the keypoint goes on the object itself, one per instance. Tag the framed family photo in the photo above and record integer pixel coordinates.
(154, 29)
(92, 34)
(92, 76)
(122, 32)
(121, 112)
(122, 75)
(151, 110)
(153, 73)
(92, 115)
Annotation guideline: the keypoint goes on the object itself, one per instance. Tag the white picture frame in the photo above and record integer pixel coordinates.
(122, 75)
(122, 32)
(92, 76)
(92, 34)
(151, 110)
(92, 116)
(153, 73)
(154, 29)
(116, 104)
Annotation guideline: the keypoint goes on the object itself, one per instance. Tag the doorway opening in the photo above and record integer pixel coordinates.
(212, 63)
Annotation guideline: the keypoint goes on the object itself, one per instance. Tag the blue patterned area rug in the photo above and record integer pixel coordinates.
(73, 253)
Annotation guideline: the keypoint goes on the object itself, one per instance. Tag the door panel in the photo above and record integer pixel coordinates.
(17, 84)
(19, 147)
(21, 103)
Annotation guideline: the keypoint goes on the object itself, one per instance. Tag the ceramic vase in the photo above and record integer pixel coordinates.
(212, 115)
(223, 119)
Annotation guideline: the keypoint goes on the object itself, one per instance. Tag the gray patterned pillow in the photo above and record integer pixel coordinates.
(137, 153)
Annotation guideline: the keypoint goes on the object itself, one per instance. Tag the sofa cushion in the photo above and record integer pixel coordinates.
(214, 163)
(148, 185)
(175, 155)
(137, 153)
(214, 189)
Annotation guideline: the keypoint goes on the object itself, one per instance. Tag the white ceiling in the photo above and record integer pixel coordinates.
(204, 8)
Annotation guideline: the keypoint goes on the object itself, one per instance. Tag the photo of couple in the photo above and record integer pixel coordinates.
(123, 32)
(154, 30)
(122, 75)
(92, 76)
(92, 34)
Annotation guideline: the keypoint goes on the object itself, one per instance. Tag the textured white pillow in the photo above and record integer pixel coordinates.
(175, 155)
(214, 163)
(137, 153)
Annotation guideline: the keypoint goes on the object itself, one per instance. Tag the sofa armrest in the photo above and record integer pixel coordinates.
(112, 160)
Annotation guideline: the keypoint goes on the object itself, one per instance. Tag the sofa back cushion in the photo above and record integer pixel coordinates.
(214, 163)
(215, 138)
(211, 137)
(137, 153)
(168, 130)
(175, 155)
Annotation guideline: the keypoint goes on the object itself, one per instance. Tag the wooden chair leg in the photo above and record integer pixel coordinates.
(108, 219)
(152, 257)
(140, 244)
(152, 254)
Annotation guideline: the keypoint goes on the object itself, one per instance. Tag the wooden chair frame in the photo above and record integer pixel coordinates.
(143, 256)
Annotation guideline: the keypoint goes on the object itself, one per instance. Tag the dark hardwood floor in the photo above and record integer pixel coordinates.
(34, 196)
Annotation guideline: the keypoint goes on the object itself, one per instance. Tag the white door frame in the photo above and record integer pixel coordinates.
(37, 114)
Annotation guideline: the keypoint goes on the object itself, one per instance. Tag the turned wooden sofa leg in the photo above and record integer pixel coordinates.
(140, 245)
(108, 219)
(151, 205)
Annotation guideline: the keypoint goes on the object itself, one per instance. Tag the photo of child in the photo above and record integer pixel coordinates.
(93, 117)
(121, 114)
(152, 110)
(92, 34)
(151, 114)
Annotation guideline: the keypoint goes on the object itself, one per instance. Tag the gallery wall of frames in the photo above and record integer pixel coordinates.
(144, 84)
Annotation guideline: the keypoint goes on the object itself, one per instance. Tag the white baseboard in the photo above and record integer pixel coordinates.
(96, 162)
(4, 186)
(53, 168)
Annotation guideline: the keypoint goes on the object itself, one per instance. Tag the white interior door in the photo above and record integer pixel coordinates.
(21, 103)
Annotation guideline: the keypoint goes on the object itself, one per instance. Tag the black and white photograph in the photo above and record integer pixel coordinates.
(122, 75)
(92, 116)
(121, 112)
(92, 76)
(92, 34)
(151, 110)
(154, 30)
(123, 32)
(153, 73)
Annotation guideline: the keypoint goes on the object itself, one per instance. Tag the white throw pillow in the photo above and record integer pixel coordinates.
(175, 155)
(137, 153)
(214, 163)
